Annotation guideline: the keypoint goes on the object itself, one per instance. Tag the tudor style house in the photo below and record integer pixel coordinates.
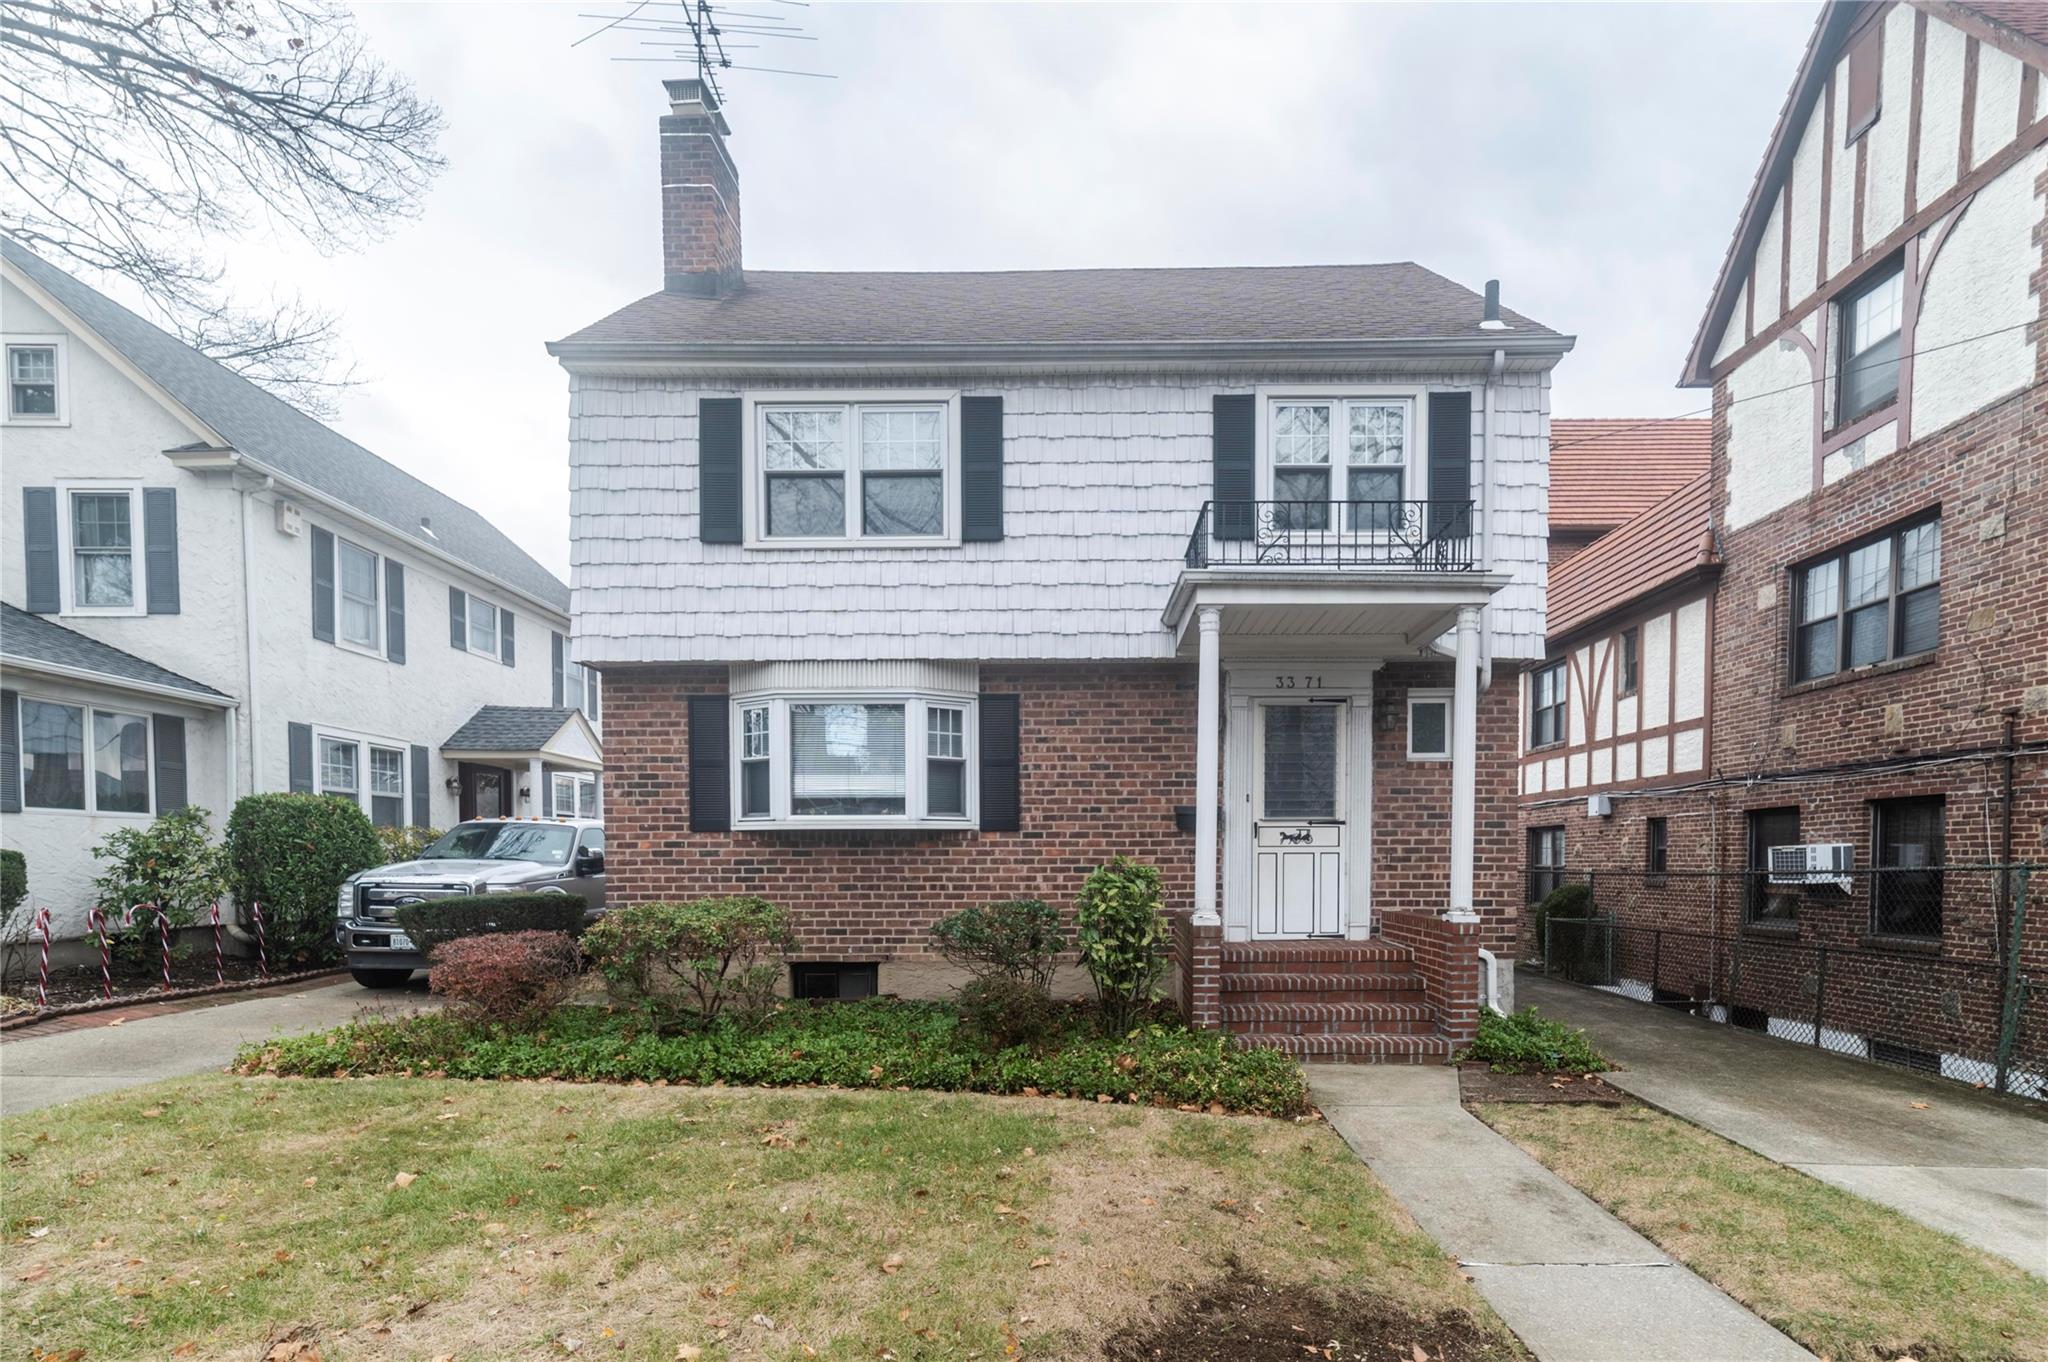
(208, 593)
(912, 591)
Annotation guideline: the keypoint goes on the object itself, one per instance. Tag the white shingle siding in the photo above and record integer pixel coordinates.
(1103, 479)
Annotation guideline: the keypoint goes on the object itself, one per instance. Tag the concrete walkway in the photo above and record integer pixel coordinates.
(1574, 1282)
(41, 1070)
(1971, 1163)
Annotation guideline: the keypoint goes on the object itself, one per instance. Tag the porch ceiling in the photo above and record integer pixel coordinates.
(1359, 612)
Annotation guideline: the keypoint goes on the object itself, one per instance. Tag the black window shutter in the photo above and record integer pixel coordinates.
(299, 746)
(170, 762)
(160, 548)
(458, 626)
(394, 610)
(506, 653)
(10, 753)
(323, 585)
(1450, 465)
(981, 468)
(422, 797)
(710, 762)
(39, 548)
(1233, 455)
(1001, 808)
(555, 651)
(719, 480)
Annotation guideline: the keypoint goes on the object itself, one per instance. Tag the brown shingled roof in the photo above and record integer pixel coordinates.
(1664, 545)
(1606, 471)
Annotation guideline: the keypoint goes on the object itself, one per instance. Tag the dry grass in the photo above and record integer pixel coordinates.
(1852, 1280)
(220, 1212)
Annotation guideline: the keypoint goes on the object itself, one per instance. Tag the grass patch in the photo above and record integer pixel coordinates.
(1528, 1042)
(877, 1044)
(1850, 1279)
(222, 1212)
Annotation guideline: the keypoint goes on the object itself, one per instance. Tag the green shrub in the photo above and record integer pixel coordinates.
(290, 853)
(13, 881)
(1569, 937)
(1123, 939)
(1525, 1041)
(1001, 1011)
(1016, 939)
(170, 862)
(877, 1043)
(514, 979)
(709, 950)
(434, 921)
(1566, 901)
(404, 844)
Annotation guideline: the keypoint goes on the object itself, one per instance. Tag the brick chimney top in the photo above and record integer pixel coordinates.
(700, 195)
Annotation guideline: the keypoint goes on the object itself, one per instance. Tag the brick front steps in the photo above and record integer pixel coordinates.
(1352, 1001)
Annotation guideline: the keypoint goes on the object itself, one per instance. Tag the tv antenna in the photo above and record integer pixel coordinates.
(706, 34)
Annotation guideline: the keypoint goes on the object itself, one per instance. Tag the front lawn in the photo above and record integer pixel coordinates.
(1848, 1278)
(417, 1218)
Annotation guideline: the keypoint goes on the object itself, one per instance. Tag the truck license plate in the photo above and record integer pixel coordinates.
(400, 941)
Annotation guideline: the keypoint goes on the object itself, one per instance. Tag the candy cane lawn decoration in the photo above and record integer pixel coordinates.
(96, 923)
(163, 931)
(41, 922)
(262, 954)
(220, 968)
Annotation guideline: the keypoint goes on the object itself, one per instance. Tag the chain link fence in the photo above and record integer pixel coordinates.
(1928, 968)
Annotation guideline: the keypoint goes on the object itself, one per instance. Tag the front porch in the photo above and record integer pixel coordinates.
(1309, 641)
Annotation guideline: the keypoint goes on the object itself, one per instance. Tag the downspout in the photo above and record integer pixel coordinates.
(1493, 373)
(240, 934)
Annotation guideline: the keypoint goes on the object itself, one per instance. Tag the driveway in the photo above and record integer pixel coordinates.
(40, 1070)
(1971, 1163)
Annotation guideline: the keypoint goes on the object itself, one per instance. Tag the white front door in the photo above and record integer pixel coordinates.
(1298, 827)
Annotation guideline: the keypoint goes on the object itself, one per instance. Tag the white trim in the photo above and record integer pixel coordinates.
(138, 572)
(1441, 695)
(88, 772)
(363, 742)
(111, 681)
(915, 704)
(56, 341)
(1415, 450)
(754, 499)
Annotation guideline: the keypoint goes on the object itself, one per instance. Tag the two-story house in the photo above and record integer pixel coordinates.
(1876, 654)
(918, 590)
(207, 593)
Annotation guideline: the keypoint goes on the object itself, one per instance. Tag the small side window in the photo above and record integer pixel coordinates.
(1429, 725)
(1631, 663)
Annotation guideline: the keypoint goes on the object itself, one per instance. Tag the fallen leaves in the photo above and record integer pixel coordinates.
(404, 1180)
(893, 1264)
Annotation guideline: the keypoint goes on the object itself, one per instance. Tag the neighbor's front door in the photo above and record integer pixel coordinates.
(1298, 841)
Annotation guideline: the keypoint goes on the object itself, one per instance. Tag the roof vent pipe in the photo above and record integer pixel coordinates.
(1491, 321)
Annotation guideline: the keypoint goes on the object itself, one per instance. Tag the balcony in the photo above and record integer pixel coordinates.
(1402, 536)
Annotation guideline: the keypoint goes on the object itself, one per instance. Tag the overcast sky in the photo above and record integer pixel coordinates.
(1591, 157)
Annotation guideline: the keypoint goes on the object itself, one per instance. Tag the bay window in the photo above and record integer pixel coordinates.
(59, 740)
(853, 470)
(853, 760)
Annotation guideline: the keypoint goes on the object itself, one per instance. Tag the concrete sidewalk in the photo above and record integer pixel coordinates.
(1970, 1163)
(1574, 1282)
(41, 1070)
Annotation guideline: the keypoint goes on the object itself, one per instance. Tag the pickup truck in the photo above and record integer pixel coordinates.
(482, 856)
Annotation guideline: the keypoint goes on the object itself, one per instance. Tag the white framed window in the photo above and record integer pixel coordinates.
(1429, 725)
(84, 759)
(858, 760)
(38, 373)
(482, 619)
(853, 468)
(99, 543)
(374, 774)
(356, 585)
(1332, 459)
(574, 796)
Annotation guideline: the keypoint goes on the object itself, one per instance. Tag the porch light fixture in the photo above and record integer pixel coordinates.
(453, 785)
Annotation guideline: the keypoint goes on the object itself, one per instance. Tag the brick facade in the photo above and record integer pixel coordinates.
(700, 202)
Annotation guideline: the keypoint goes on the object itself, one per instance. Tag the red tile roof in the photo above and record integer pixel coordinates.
(1606, 471)
(1665, 544)
(2028, 18)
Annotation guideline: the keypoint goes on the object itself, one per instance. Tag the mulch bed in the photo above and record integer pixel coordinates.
(1478, 1083)
(78, 988)
(1242, 1317)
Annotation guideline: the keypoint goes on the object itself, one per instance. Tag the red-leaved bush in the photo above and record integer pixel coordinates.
(511, 978)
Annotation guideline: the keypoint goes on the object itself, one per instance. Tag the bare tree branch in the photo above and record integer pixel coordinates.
(140, 137)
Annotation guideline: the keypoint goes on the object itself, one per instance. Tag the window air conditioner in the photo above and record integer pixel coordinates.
(1813, 863)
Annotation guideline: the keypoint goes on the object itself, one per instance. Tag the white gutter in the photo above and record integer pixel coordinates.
(253, 700)
(114, 682)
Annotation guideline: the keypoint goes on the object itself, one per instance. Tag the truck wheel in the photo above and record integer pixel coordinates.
(381, 978)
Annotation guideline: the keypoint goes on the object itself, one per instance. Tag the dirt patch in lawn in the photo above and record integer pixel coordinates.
(1478, 1083)
(1244, 1317)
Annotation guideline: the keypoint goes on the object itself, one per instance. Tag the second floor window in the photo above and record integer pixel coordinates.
(1547, 706)
(1631, 662)
(853, 471)
(356, 570)
(103, 550)
(1874, 602)
(1869, 321)
(32, 382)
(1352, 454)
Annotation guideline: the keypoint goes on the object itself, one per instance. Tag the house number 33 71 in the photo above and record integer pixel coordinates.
(1297, 683)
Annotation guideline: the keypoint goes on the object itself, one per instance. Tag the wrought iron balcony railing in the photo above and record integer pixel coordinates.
(1425, 536)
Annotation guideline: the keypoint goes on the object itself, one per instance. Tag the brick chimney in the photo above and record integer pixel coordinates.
(700, 196)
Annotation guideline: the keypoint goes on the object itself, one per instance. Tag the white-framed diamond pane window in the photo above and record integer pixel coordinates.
(1301, 465)
(1378, 449)
(803, 451)
(856, 470)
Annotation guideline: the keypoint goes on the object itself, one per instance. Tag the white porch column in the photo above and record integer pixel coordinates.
(535, 774)
(1208, 703)
(1464, 755)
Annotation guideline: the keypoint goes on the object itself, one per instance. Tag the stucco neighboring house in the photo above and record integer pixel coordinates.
(918, 590)
(209, 593)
